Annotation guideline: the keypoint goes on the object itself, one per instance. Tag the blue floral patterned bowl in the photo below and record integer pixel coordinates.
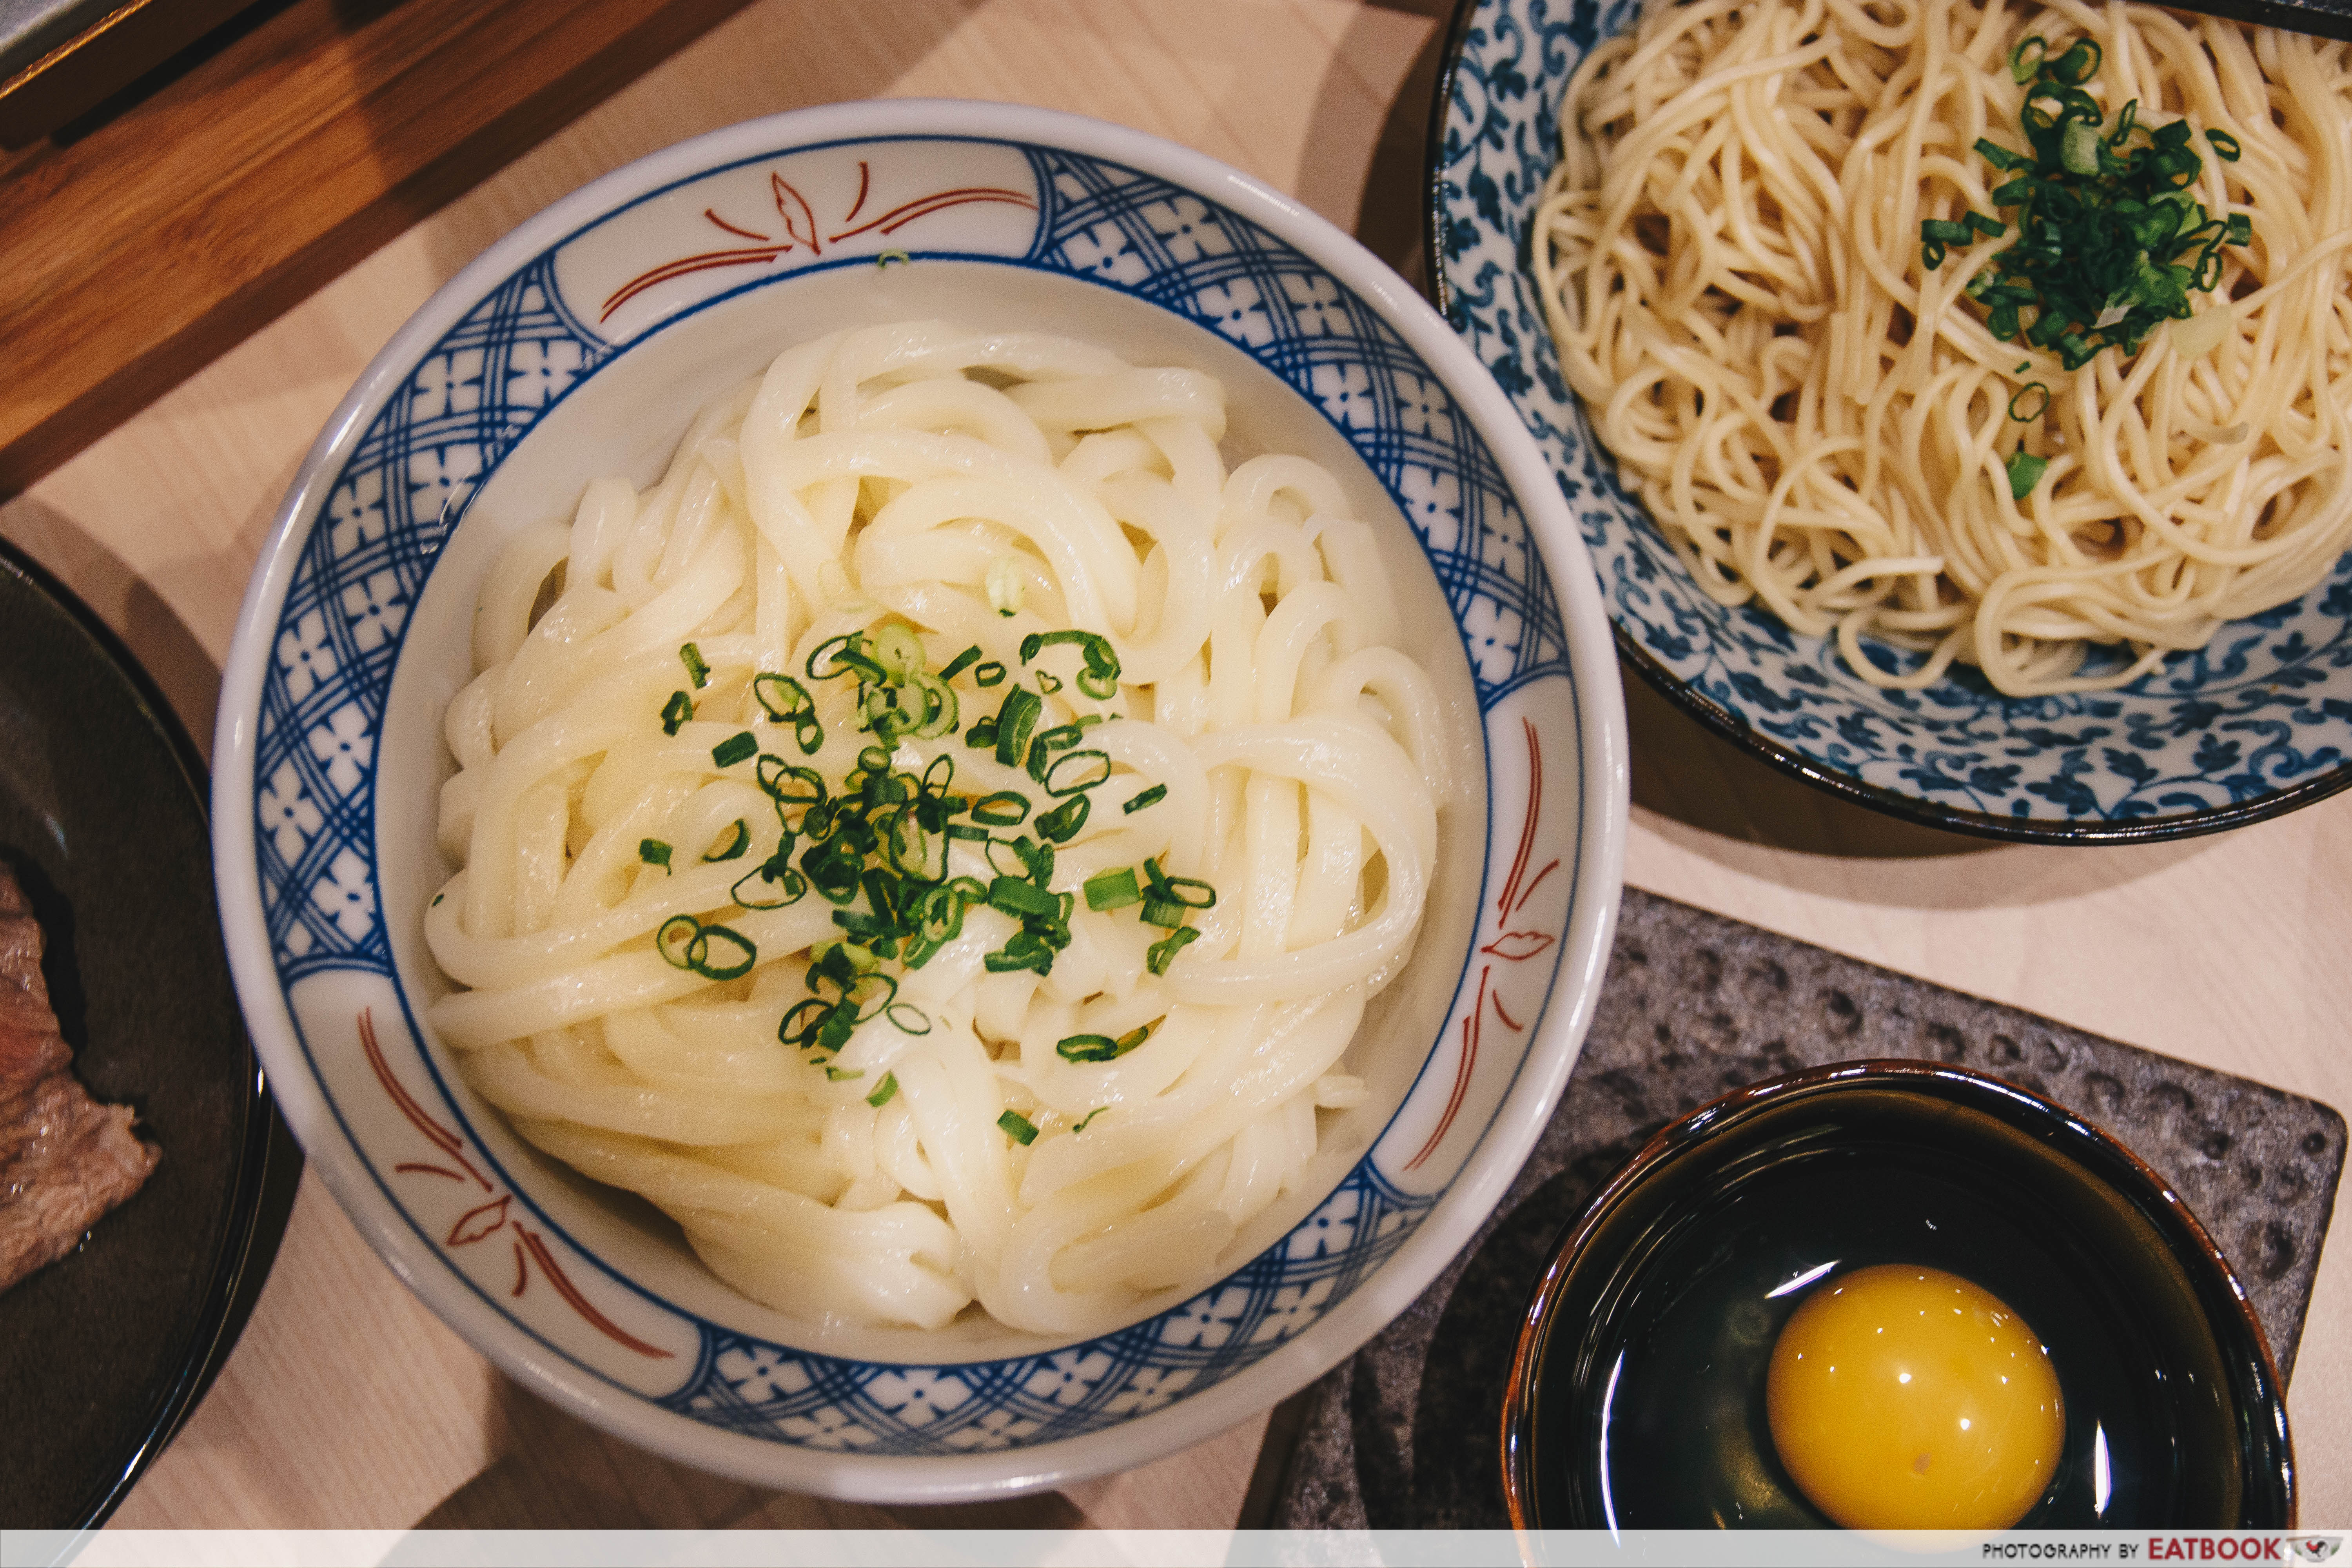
(577, 346)
(2258, 723)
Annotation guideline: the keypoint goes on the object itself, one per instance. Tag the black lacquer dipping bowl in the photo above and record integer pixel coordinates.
(1637, 1397)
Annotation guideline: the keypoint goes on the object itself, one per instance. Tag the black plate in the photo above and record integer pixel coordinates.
(103, 818)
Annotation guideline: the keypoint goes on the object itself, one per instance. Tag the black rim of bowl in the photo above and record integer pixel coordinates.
(2100, 1152)
(1728, 725)
(269, 1164)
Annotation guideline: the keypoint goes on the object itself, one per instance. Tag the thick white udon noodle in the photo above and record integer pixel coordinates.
(1729, 254)
(868, 474)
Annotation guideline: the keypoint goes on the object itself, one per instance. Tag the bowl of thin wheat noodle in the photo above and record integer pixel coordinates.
(1953, 396)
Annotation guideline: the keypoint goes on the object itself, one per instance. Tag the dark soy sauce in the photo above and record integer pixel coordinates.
(1674, 1392)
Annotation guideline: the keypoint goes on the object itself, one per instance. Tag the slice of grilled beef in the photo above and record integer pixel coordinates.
(64, 1158)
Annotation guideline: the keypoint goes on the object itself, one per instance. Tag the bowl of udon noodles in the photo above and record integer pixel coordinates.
(1953, 396)
(920, 798)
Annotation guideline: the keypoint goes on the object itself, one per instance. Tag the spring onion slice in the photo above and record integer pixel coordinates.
(1113, 890)
(2024, 472)
(727, 848)
(1163, 952)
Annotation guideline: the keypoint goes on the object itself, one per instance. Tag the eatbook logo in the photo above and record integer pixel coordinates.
(2315, 1548)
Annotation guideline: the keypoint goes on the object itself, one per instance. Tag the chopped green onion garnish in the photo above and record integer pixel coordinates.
(1012, 896)
(1113, 890)
(875, 846)
(1004, 586)
(713, 948)
(1017, 1127)
(787, 701)
(2079, 148)
(675, 713)
(730, 844)
(1005, 808)
(790, 785)
(833, 869)
(1023, 952)
(1101, 680)
(1090, 769)
(654, 852)
(1190, 892)
(675, 937)
(2024, 473)
(713, 951)
(899, 651)
(772, 884)
(2110, 243)
(1151, 796)
(1163, 952)
(1089, 1116)
(882, 1096)
(2037, 411)
(1062, 824)
(1100, 1048)
(834, 1075)
(694, 666)
(1014, 720)
(1043, 746)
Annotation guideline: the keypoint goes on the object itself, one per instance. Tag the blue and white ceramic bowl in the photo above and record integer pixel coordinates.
(2256, 724)
(579, 345)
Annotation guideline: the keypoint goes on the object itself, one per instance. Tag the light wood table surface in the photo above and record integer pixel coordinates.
(347, 1404)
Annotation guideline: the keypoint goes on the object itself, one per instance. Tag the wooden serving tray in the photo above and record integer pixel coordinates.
(155, 234)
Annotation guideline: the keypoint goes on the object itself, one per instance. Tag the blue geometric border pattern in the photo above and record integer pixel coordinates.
(464, 406)
(2267, 707)
(769, 1391)
(1203, 261)
(385, 519)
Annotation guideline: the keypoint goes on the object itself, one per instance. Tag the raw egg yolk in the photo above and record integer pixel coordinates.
(1907, 1398)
